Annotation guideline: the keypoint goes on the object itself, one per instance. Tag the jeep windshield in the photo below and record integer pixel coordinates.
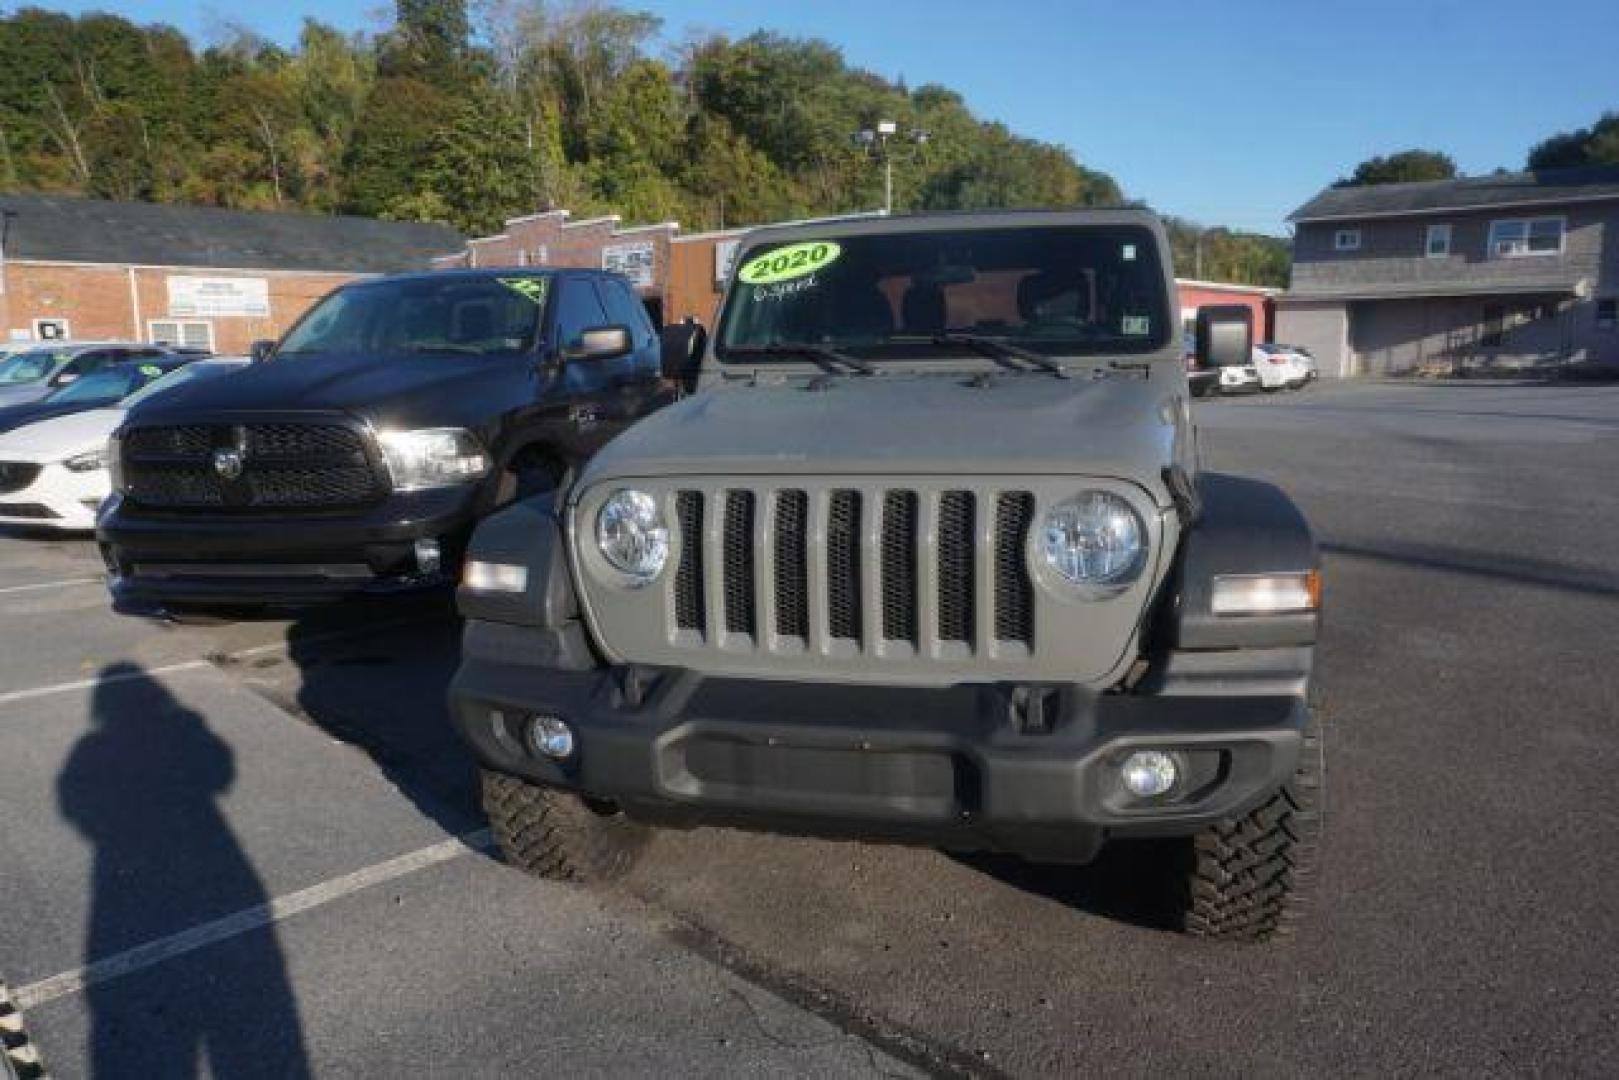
(1084, 290)
(452, 315)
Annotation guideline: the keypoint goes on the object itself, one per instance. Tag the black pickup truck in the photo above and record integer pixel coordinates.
(355, 455)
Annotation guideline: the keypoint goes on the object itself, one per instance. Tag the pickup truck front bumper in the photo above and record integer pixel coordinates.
(1032, 770)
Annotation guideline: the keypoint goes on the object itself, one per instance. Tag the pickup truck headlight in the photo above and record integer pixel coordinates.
(1094, 541)
(633, 536)
(94, 461)
(432, 457)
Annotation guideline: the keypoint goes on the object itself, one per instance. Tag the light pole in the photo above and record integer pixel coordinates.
(877, 141)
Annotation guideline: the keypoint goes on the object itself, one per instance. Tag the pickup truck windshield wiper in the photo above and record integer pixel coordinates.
(995, 348)
(825, 357)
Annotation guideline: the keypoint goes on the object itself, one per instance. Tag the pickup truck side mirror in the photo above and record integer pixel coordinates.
(261, 349)
(599, 343)
(1225, 335)
(682, 351)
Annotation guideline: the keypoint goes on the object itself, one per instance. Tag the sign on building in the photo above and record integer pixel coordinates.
(634, 261)
(724, 260)
(212, 297)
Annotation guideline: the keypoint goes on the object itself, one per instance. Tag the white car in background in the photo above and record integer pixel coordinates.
(1280, 367)
(53, 474)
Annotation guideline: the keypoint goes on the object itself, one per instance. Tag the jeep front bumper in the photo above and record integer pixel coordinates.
(1032, 770)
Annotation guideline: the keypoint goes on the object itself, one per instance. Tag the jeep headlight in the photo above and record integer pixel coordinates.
(633, 536)
(432, 457)
(1094, 541)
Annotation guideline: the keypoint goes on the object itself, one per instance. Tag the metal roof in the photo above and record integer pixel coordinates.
(1471, 192)
(60, 228)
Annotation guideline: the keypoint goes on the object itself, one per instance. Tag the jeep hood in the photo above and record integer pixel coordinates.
(1122, 426)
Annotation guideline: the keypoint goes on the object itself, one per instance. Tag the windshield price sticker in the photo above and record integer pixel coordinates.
(1136, 326)
(530, 288)
(787, 263)
(151, 371)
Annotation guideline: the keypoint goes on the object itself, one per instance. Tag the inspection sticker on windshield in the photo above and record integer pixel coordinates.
(787, 263)
(1136, 326)
(530, 288)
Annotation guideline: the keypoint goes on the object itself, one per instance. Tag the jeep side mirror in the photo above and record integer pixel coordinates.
(261, 349)
(682, 351)
(1225, 335)
(599, 343)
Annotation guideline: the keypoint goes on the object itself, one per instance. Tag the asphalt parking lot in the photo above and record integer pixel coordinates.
(255, 849)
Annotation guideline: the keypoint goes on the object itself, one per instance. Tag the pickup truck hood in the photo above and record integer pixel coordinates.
(387, 389)
(1121, 425)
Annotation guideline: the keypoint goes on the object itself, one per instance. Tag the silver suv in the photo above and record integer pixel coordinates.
(925, 556)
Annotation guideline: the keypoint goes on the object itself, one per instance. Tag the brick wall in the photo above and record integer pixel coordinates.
(100, 302)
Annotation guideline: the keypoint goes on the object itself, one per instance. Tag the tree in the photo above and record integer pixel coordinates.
(1401, 168)
(1595, 145)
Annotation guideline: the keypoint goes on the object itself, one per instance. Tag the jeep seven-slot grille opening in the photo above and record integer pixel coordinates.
(843, 565)
(899, 566)
(690, 607)
(1014, 592)
(792, 564)
(738, 575)
(956, 584)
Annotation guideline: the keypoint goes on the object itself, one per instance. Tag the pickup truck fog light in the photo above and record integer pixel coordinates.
(1266, 594)
(428, 558)
(1148, 774)
(495, 577)
(551, 737)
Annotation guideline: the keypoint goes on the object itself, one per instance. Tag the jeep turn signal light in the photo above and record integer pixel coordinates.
(1266, 594)
(494, 577)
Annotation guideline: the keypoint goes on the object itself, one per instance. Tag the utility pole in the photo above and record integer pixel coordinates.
(878, 141)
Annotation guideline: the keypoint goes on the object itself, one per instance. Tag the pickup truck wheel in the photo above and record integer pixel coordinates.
(557, 835)
(1249, 877)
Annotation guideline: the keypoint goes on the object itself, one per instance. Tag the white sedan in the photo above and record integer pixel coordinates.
(53, 474)
(1280, 368)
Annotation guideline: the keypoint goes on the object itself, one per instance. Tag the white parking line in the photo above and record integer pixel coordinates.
(100, 680)
(246, 921)
(9, 589)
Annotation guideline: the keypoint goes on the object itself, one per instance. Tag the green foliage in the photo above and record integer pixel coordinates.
(1595, 145)
(1403, 167)
(1241, 258)
(471, 115)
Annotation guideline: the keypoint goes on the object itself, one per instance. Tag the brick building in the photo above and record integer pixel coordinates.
(220, 279)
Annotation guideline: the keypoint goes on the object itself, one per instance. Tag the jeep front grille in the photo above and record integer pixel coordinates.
(318, 465)
(927, 562)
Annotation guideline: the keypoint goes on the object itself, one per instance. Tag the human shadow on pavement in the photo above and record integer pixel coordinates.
(143, 786)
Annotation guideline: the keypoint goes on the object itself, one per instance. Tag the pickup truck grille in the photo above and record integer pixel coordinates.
(16, 475)
(282, 465)
(863, 568)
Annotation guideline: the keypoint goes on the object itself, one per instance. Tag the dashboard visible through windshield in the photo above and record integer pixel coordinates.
(1084, 290)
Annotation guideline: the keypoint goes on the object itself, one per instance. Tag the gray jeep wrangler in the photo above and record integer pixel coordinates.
(926, 557)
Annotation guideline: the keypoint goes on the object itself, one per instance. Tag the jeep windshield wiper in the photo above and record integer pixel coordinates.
(997, 349)
(825, 357)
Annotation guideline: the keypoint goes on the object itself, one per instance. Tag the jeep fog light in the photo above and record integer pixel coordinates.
(1148, 774)
(495, 577)
(1266, 594)
(428, 559)
(551, 737)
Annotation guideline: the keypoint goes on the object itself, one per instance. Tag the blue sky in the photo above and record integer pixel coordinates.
(1229, 113)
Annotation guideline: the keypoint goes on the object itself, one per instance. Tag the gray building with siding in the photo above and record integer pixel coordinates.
(1506, 271)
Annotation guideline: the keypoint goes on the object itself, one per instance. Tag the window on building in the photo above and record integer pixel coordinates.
(1608, 314)
(1438, 240)
(1513, 238)
(187, 333)
(1346, 240)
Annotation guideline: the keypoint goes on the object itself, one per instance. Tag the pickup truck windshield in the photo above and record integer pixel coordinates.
(1080, 291)
(453, 315)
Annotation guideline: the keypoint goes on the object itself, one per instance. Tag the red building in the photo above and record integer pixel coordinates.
(1262, 301)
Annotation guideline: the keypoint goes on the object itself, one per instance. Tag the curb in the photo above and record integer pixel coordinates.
(19, 1058)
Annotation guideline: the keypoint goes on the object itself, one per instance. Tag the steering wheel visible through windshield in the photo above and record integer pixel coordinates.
(1073, 290)
(449, 315)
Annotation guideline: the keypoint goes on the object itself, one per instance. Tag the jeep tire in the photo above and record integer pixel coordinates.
(1246, 879)
(558, 835)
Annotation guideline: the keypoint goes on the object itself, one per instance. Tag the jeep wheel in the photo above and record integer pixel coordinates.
(556, 835)
(1248, 878)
